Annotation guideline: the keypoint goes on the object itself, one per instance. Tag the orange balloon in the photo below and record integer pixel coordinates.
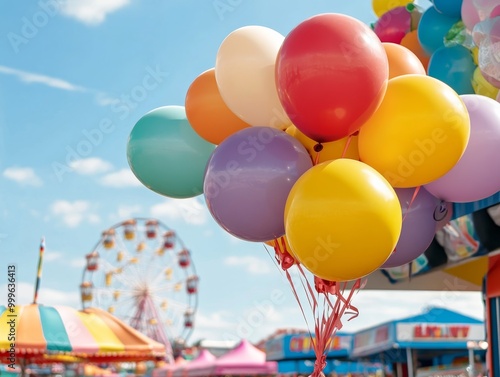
(402, 61)
(410, 41)
(207, 112)
(332, 150)
(281, 244)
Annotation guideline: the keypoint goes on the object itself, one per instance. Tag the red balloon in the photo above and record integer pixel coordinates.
(331, 76)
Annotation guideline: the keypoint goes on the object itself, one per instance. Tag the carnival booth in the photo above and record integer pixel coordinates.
(436, 338)
(295, 355)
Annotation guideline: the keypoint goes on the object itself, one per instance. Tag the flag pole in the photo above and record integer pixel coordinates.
(39, 271)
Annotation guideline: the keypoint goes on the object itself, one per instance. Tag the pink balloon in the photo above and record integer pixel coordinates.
(393, 25)
(484, 8)
(477, 174)
(470, 15)
(419, 225)
(495, 12)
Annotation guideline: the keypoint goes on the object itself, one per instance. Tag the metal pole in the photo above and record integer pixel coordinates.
(409, 362)
(472, 372)
(39, 270)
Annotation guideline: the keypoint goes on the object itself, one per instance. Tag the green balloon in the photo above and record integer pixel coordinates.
(167, 155)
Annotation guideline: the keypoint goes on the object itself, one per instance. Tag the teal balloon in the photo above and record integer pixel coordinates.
(432, 29)
(452, 8)
(167, 155)
(453, 66)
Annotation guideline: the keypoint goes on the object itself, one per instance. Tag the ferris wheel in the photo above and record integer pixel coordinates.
(141, 272)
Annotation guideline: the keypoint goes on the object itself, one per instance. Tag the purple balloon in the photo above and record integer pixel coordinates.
(248, 179)
(419, 225)
(477, 174)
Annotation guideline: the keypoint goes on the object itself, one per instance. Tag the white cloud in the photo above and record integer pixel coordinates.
(91, 12)
(78, 263)
(255, 322)
(191, 210)
(35, 78)
(253, 265)
(23, 176)
(377, 307)
(52, 255)
(104, 99)
(89, 166)
(120, 179)
(127, 211)
(101, 98)
(47, 296)
(74, 213)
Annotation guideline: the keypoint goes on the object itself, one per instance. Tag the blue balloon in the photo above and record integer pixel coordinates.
(453, 66)
(451, 8)
(432, 29)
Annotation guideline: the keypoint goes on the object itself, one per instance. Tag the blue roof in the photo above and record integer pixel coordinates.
(461, 209)
(440, 315)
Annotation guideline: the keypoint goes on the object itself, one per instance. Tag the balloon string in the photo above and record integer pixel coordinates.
(317, 148)
(309, 288)
(329, 320)
(415, 193)
(414, 196)
(288, 276)
(329, 323)
(346, 146)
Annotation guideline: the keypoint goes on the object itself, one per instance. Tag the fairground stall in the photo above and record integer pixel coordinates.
(438, 339)
(293, 350)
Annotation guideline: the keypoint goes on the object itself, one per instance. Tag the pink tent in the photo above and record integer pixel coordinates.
(203, 365)
(168, 369)
(244, 359)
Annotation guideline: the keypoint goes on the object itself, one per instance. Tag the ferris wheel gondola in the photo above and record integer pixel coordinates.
(141, 272)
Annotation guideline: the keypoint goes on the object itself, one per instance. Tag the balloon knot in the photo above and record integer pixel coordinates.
(318, 147)
(441, 211)
(325, 286)
(284, 259)
(319, 366)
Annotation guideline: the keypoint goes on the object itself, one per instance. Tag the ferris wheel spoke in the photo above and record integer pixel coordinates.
(165, 273)
(142, 281)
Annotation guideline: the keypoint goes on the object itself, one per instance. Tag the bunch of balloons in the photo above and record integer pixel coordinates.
(328, 137)
(457, 41)
(334, 144)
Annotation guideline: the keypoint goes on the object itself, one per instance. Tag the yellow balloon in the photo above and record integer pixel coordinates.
(382, 6)
(475, 55)
(483, 87)
(331, 150)
(342, 220)
(418, 133)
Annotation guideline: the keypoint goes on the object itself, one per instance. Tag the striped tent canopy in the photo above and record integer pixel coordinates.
(92, 334)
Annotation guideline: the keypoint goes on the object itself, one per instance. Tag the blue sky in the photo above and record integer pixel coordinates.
(75, 76)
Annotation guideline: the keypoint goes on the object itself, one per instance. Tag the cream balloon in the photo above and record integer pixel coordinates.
(244, 71)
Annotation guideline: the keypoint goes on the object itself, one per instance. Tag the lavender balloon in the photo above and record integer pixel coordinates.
(477, 174)
(419, 226)
(248, 179)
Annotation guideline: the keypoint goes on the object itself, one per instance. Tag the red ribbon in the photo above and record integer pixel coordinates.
(337, 300)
